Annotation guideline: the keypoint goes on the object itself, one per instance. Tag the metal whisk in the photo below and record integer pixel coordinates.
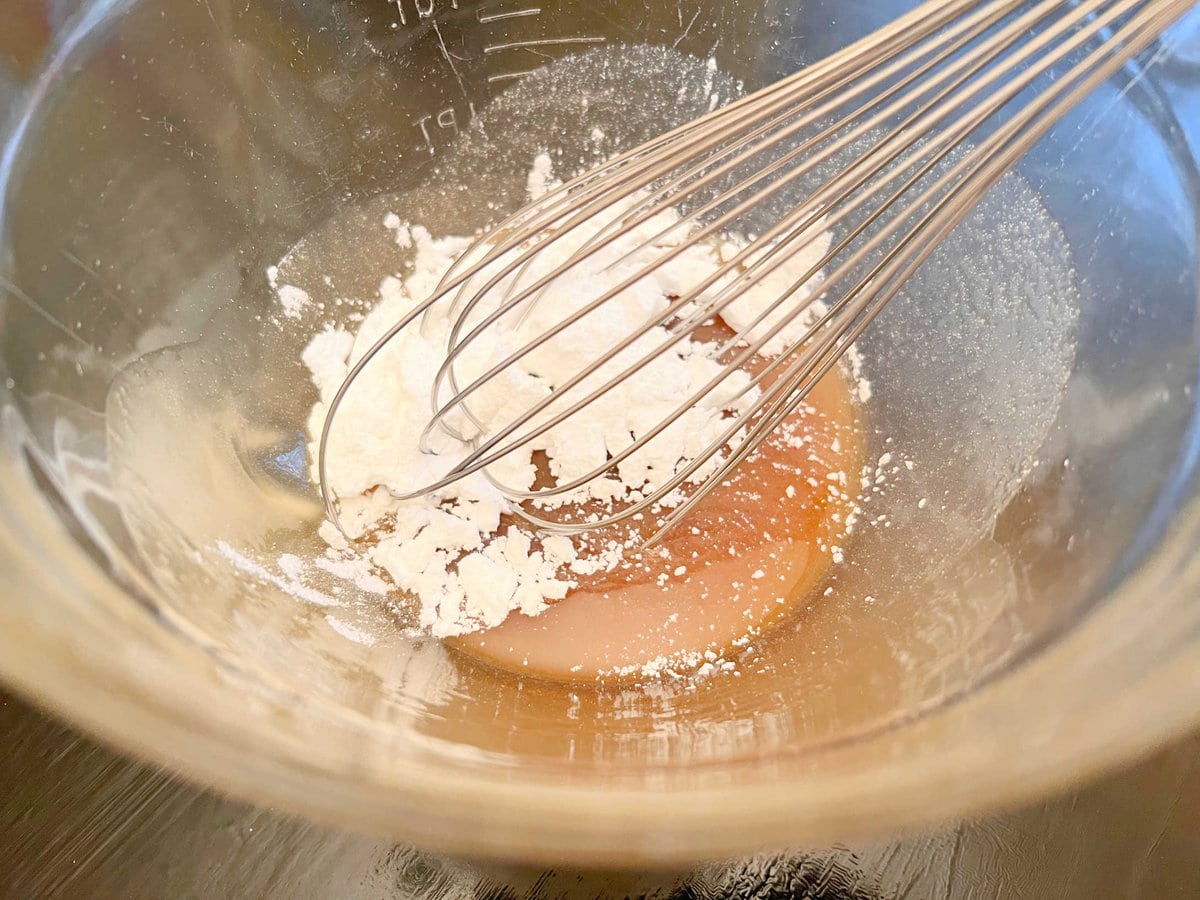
(887, 144)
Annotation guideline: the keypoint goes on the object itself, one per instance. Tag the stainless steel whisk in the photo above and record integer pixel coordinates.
(887, 144)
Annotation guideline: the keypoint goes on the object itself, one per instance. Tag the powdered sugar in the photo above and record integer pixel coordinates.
(350, 632)
(293, 300)
(291, 580)
(541, 176)
(458, 550)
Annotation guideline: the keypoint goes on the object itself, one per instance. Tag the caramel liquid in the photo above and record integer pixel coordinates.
(773, 516)
(750, 552)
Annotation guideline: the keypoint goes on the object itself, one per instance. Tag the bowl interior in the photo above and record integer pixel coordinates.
(1033, 388)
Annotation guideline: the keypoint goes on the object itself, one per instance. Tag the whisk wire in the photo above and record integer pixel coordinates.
(982, 169)
(589, 202)
(968, 29)
(945, 70)
(478, 459)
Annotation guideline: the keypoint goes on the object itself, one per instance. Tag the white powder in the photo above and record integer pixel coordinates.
(356, 570)
(456, 550)
(292, 566)
(350, 632)
(541, 176)
(290, 581)
(292, 299)
(404, 237)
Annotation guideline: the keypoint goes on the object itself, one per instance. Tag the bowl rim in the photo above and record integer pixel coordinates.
(456, 810)
(180, 724)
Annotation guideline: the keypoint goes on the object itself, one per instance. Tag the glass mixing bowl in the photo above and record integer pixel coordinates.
(1036, 623)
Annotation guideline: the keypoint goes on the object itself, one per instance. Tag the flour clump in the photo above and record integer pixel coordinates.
(462, 551)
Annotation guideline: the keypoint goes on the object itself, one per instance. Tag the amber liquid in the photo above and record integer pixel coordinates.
(750, 552)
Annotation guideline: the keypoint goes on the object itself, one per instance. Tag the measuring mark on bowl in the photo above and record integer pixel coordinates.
(482, 47)
(488, 17)
(413, 11)
(446, 123)
(509, 76)
(542, 42)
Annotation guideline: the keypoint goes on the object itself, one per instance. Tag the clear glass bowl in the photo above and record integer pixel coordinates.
(1038, 624)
